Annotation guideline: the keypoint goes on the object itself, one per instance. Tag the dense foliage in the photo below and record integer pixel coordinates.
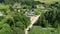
(13, 20)
(51, 17)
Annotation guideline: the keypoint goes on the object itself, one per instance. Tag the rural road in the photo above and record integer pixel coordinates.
(33, 20)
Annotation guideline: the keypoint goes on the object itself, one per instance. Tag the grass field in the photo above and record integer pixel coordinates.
(39, 30)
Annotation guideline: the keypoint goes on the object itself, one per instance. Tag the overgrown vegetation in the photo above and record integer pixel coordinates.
(13, 20)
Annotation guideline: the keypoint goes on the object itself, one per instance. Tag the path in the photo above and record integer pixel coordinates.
(33, 20)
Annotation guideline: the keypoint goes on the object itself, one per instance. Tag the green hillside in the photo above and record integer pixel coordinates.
(15, 16)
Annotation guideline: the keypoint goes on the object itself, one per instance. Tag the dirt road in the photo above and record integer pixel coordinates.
(33, 20)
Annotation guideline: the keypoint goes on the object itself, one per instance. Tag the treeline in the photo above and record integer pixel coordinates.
(50, 18)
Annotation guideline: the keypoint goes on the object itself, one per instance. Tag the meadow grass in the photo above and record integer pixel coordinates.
(40, 30)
